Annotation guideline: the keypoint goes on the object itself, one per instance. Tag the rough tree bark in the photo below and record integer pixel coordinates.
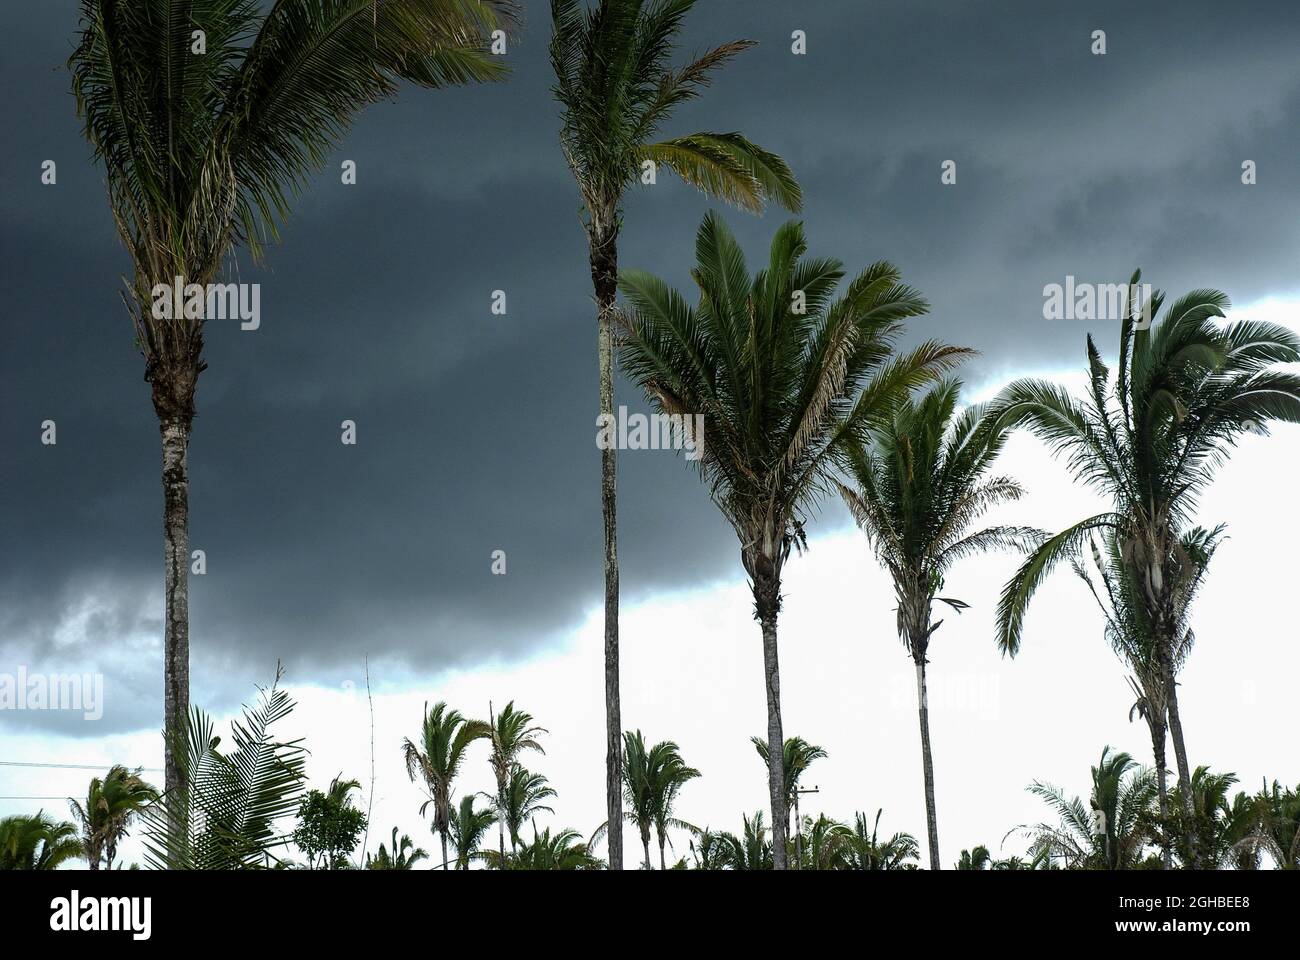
(775, 742)
(1162, 783)
(604, 276)
(176, 630)
(927, 762)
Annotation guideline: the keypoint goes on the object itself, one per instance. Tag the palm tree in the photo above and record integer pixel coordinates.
(1131, 634)
(229, 810)
(524, 794)
(511, 733)
(111, 803)
(783, 378)
(796, 756)
(709, 850)
(203, 152)
(468, 828)
(1277, 826)
(866, 851)
(445, 735)
(1185, 391)
(563, 850)
(918, 490)
(977, 859)
(616, 88)
(652, 778)
(1111, 831)
(751, 850)
(37, 842)
(404, 856)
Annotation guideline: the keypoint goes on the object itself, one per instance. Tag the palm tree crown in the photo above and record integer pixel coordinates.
(445, 735)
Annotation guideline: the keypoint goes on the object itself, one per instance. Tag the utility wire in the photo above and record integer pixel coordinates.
(72, 766)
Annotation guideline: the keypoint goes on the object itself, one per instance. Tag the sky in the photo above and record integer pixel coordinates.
(476, 430)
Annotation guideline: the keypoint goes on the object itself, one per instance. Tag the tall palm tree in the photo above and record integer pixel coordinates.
(524, 794)
(111, 803)
(445, 735)
(783, 378)
(468, 828)
(404, 856)
(796, 756)
(918, 489)
(1131, 632)
(37, 842)
(1186, 389)
(511, 733)
(1110, 831)
(203, 152)
(616, 87)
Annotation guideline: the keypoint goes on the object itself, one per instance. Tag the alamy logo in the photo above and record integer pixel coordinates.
(215, 301)
(656, 431)
(58, 691)
(74, 913)
(1097, 301)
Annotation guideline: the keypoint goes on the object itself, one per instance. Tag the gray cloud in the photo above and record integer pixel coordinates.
(476, 431)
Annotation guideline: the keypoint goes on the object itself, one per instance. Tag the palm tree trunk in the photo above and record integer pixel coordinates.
(927, 762)
(604, 276)
(645, 843)
(442, 835)
(798, 832)
(775, 743)
(176, 630)
(501, 832)
(1162, 784)
(662, 864)
(1176, 734)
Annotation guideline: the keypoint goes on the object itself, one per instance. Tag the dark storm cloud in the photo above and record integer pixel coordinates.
(476, 432)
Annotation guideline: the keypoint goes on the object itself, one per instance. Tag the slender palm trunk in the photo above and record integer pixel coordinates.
(176, 588)
(604, 276)
(442, 835)
(662, 864)
(927, 762)
(775, 744)
(645, 844)
(1162, 783)
(1176, 734)
(501, 827)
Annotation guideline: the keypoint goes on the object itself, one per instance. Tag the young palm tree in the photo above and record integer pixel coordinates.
(203, 150)
(977, 859)
(445, 735)
(524, 794)
(652, 778)
(917, 492)
(1110, 832)
(783, 378)
(797, 755)
(468, 828)
(404, 856)
(563, 850)
(616, 88)
(511, 733)
(866, 851)
(751, 850)
(111, 803)
(1185, 390)
(37, 842)
(1131, 634)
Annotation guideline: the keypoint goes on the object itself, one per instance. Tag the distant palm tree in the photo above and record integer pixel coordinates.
(404, 856)
(652, 778)
(111, 803)
(203, 150)
(445, 735)
(37, 842)
(1110, 831)
(616, 87)
(468, 828)
(1277, 827)
(976, 859)
(783, 378)
(563, 850)
(1185, 391)
(797, 755)
(751, 850)
(510, 734)
(866, 851)
(709, 850)
(524, 794)
(1132, 635)
(918, 490)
